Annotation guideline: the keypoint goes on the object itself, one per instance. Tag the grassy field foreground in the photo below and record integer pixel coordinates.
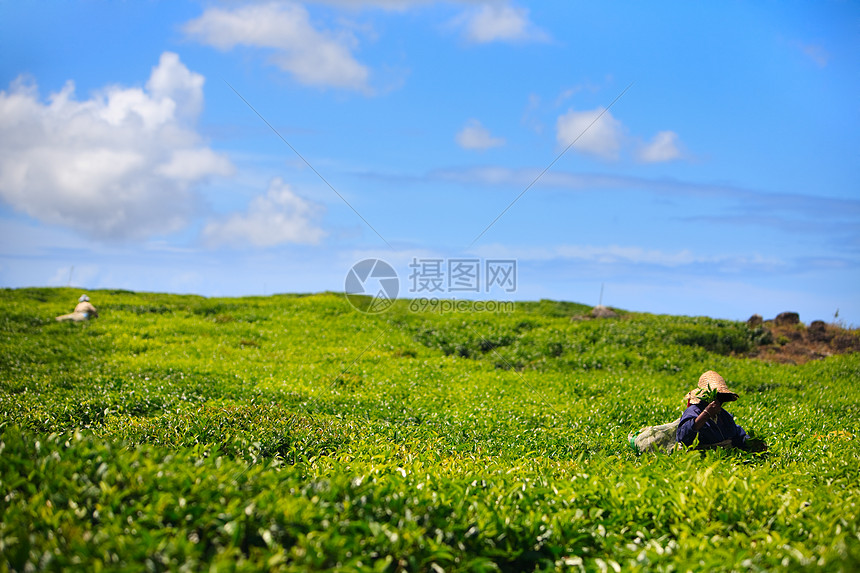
(291, 433)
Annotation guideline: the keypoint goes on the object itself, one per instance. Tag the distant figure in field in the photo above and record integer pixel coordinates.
(706, 418)
(83, 311)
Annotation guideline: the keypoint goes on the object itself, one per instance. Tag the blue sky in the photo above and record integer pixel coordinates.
(724, 181)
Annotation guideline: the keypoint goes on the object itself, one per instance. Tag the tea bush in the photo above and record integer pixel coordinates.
(291, 433)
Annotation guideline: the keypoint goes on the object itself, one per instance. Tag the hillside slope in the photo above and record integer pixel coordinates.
(292, 433)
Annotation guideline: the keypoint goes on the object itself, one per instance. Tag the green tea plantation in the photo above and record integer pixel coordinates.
(292, 433)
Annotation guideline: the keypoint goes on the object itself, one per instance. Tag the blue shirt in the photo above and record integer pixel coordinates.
(714, 431)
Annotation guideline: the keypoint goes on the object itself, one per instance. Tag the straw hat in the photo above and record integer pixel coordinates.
(708, 381)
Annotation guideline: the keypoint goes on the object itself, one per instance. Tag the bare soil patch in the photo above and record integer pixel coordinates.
(796, 343)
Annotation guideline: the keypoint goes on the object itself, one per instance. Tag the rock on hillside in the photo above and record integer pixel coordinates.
(786, 319)
(601, 311)
(791, 342)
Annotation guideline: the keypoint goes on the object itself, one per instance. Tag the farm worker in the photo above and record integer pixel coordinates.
(83, 311)
(707, 419)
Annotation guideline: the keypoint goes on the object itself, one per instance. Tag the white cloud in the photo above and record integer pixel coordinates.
(630, 254)
(506, 176)
(530, 115)
(313, 57)
(172, 81)
(816, 53)
(606, 254)
(602, 137)
(280, 216)
(122, 164)
(476, 136)
(499, 23)
(587, 86)
(394, 5)
(191, 164)
(664, 147)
